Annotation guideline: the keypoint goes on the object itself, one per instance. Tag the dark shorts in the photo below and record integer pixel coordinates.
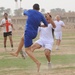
(5, 34)
(28, 38)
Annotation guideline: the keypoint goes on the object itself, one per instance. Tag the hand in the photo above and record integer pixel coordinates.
(13, 28)
(3, 25)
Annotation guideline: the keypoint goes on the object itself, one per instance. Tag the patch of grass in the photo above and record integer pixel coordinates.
(63, 59)
(7, 62)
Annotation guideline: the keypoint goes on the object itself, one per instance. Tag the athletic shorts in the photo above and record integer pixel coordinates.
(5, 34)
(28, 38)
(58, 35)
(45, 44)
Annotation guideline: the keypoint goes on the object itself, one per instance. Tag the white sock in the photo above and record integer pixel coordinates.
(49, 62)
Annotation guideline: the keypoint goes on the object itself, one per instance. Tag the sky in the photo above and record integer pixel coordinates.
(46, 4)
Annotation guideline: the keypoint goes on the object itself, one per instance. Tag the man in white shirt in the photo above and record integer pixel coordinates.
(7, 26)
(58, 30)
(46, 39)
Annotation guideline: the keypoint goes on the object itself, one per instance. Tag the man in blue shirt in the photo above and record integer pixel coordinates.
(31, 29)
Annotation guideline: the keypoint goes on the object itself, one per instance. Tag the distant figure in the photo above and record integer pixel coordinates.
(7, 26)
(58, 30)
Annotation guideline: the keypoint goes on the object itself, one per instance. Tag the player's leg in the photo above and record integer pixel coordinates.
(5, 39)
(19, 47)
(57, 39)
(28, 43)
(35, 46)
(48, 54)
(58, 42)
(48, 49)
(60, 37)
(10, 38)
(38, 44)
(30, 54)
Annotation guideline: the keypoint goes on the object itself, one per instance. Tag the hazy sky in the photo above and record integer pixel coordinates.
(46, 4)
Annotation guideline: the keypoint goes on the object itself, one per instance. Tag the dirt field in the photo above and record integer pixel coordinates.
(67, 47)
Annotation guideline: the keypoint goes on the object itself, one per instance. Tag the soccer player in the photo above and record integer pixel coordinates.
(58, 30)
(31, 29)
(19, 50)
(46, 39)
(7, 26)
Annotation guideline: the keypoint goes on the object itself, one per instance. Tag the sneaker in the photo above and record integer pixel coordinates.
(5, 49)
(57, 48)
(49, 65)
(23, 54)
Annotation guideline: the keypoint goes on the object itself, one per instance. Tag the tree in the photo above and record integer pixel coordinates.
(43, 11)
(8, 10)
(58, 11)
(1, 10)
(18, 12)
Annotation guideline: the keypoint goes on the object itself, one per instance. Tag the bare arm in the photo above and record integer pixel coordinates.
(53, 24)
(51, 21)
(2, 25)
(12, 26)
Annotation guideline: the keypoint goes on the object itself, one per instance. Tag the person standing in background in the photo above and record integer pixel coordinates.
(7, 26)
(58, 30)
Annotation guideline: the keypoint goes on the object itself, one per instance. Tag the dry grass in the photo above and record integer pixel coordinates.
(67, 47)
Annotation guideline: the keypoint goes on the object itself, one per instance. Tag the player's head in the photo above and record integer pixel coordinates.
(5, 15)
(36, 7)
(48, 16)
(57, 17)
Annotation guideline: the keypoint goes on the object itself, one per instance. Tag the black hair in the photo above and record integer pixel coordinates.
(36, 7)
(53, 32)
(5, 14)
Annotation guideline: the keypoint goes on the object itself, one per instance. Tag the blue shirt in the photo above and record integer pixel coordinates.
(33, 20)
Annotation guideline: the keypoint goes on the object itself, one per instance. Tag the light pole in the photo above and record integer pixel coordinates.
(20, 3)
(16, 1)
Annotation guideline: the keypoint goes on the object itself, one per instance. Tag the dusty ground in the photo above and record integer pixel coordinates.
(66, 47)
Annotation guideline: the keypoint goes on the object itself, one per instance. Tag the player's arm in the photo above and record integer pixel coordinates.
(52, 22)
(63, 25)
(42, 25)
(10, 21)
(12, 27)
(2, 25)
(25, 12)
(45, 23)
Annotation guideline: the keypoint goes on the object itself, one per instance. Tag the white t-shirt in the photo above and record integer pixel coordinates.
(46, 33)
(59, 25)
(9, 27)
